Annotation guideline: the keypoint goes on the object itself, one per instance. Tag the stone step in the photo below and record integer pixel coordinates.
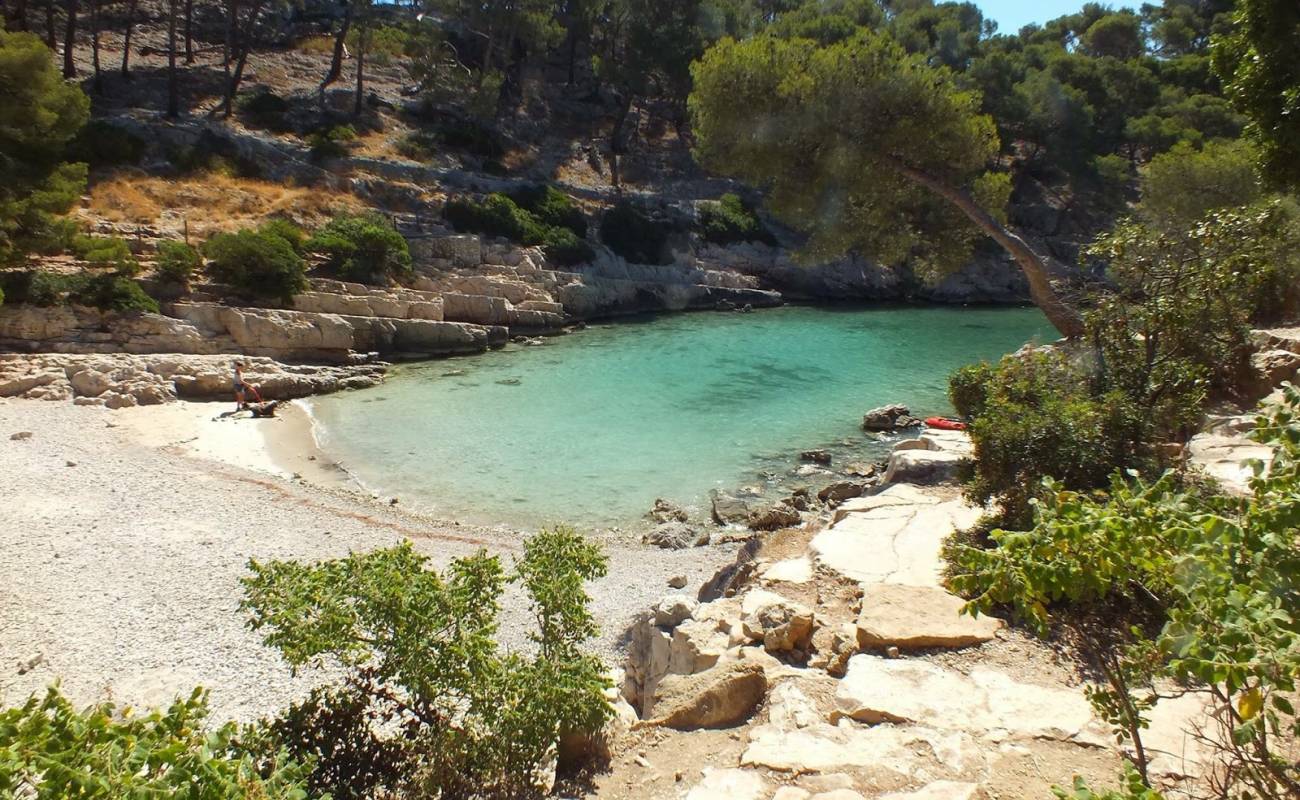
(917, 618)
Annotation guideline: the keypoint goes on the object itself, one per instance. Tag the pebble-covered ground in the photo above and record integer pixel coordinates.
(120, 563)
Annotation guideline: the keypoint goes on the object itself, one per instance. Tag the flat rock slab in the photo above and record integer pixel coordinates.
(919, 617)
(1223, 457)
(939, 790)
(793, 570)
(892, 537)
(892, 750)
(716, 698)
(729, 784)
(985, 703)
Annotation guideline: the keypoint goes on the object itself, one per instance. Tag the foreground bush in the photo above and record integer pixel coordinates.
(363, 247)
(49, 750)
(257, 262)
(1220, 577)
(432, 706)
(729, 220)
(105, 251)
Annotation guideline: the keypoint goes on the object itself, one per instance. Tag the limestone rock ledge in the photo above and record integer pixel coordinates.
(119, 381)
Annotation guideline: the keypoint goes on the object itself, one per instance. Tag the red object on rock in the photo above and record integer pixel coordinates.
(945, 424)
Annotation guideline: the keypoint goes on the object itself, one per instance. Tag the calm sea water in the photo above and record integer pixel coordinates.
(590, 428)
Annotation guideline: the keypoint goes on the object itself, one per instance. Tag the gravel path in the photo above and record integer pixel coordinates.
(120, 561)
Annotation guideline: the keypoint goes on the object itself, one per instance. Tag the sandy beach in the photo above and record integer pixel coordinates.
(123, 535)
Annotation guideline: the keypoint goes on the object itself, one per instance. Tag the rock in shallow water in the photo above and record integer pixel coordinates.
(889, 418)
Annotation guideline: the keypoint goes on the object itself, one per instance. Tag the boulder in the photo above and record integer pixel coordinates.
(773, 517)
(889, 418)
(919, 617)
(673, 610)
(837, 493)
(696, 645)
(729, 784)
(665, 511)
(728, 510)
(718, 698)
(676, 536)
(925, 467)
(782, 625)
(816, 456)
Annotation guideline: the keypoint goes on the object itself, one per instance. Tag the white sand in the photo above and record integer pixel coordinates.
(119, 576)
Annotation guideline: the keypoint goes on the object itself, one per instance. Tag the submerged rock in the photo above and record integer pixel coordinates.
(816, 456)
(666, 511)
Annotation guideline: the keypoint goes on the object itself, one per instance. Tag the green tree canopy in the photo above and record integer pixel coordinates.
(865, 147)
(39, 115)
(1183, 185)
(1259, 63)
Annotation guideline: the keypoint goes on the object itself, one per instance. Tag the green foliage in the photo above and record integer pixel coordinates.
(363, 248)
(551, 207)
(35, 287)
(256, 262)
(39, 116)
(385, 44)
(499, 215)
(286, 230)
(729, 220)
(635, 235)
(1040, 414)
(827, 130)
(1132, 788)
(103, 144)
(1183, 185)
(450, 713)
(418, 146)
(331, 142)
(111, 292)
(177, 262)
(105, 251)
(50, 751)
(1116, 35)
(1258, 65)
(1222, 572)
(263, 108)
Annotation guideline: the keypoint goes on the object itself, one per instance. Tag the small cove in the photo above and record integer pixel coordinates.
(590, 428)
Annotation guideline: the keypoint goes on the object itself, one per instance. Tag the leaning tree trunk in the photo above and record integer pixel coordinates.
(70, 36)
(245, 44)
(336, 62)
(50, 41)
(173, 96)
(362, 41)
(1066, 319)
(126, 43)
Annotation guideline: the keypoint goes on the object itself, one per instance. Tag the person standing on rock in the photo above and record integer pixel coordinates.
(243, 388)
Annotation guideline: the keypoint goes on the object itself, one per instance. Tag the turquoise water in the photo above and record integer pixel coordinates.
(590, 428)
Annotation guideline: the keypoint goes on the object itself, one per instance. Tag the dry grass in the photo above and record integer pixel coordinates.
(211, 202)
(319, 45)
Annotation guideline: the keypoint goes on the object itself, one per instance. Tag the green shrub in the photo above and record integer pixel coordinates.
(211, 153)
(632, 234)
(362, 248)
(105, 251)
(418, 146)
(331, 142)
(385, 43)
(433, 706)
(497, 215)
(563, 247)
(1216, 578)
(473, 137)
(551, 207)
(1038, 415)
(257, 263)
(729, 220)
(263, 108)
(177, 262)
(111, 292)
(50, 750)
(35, 287)
(103, 144)
(286, 230)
